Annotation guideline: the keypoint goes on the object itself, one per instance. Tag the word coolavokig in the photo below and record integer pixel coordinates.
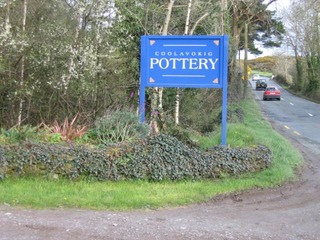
(183, 63)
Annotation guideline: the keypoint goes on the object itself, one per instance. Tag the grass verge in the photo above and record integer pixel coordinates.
(127, 195)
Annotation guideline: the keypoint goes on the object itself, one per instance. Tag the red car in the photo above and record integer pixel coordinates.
(271, 93)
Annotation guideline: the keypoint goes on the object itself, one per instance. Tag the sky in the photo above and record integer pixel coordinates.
(279, 4)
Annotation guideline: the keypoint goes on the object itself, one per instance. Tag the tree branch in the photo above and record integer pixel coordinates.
(197, 23)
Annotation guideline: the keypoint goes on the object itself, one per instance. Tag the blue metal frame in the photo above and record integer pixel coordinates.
(185, 62)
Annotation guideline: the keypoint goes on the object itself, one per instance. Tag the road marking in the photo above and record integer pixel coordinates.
(291, 104)
(286, 127)
(310, 114)
(295, 132)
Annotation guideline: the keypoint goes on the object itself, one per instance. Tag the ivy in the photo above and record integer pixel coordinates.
(155, 158)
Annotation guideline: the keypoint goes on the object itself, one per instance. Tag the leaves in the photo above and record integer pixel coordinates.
(119, 126)
(156, 158)
(69, 131)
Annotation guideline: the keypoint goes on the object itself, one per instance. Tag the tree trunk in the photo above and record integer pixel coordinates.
(177, 101)
(156, 101)
(8, 25)
(168, 17)
(224, 8)
(177, 107)
(235, 35)
(197, 23)
(24, 20)
(245, 65)
(8, 30)
(186, 29)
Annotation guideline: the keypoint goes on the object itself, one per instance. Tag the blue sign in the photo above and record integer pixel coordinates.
(185, 62)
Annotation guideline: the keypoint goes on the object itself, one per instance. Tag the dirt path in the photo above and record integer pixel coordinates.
(288, 212)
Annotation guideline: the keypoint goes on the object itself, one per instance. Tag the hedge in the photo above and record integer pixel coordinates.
(156, 158)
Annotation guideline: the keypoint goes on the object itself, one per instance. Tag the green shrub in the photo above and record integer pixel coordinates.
(119, 126)
(182, 134)
(21, 133)
(280, 78)
(54, 137)
(155, 158)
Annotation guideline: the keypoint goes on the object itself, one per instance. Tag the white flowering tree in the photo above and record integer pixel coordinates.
(56, 59)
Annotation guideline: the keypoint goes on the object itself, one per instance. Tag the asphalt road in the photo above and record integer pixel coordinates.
(300, 118)
(290, 212)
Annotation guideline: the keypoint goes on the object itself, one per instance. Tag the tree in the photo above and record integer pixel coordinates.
(262, 27)
(68, 62)
(82, 56)
(303, 36)
(172, 17)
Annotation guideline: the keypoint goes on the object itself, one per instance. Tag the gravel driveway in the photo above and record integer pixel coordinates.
(288, 212)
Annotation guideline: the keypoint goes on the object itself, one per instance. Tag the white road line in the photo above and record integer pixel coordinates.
(295, 132)
(291, 104)
(310, 114)
(286, 127)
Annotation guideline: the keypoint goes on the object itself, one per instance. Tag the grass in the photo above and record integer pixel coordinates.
(127, 195)
(264, 74)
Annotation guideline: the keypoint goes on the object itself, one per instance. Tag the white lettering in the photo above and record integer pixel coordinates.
(183, 63)
(193, 63)
(154, 61)
(203, 63)
(213, 62)
(174, 61)
(183, 54)
(164, 63)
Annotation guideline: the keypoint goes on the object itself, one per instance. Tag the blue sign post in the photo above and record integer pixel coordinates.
(185, 62)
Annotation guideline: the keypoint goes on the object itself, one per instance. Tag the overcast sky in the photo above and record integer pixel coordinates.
(279, 4)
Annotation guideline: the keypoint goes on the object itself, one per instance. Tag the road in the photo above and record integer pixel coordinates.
(290, 212)
(300, 118)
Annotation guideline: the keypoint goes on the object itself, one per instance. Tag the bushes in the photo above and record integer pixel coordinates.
(123, 154)
(281, 79)
(21, 133)
(118, 127)
(154, 158)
